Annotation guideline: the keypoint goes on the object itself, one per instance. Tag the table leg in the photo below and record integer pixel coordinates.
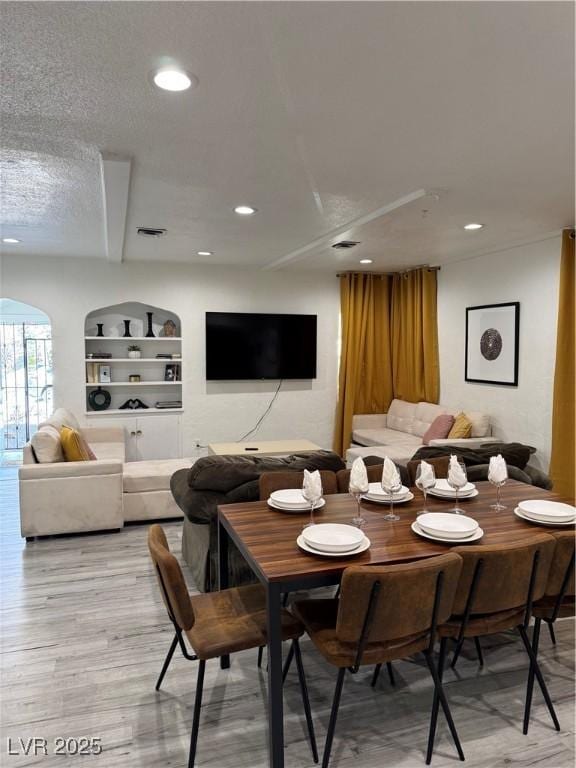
(275, 704)
(223, 575)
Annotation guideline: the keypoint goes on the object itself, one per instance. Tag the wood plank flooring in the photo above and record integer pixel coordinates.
(84, 634)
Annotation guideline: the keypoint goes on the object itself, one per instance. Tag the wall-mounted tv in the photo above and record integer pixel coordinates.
(257, 346)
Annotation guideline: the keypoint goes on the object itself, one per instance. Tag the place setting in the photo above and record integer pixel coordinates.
(455, 487)
(388, 491)
(544, 512)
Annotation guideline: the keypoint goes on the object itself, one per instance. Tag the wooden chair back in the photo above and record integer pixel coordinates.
(374, 472)
(405, 602)
(171, 580)
(440, 464)
(562, 565)
(279, 481)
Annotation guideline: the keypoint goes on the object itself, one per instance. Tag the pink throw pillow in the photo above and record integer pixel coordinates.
(439, 428)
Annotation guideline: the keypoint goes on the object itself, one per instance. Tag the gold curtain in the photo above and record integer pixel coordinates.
(365, 381)
(389, 345)
(415, 365)
(563, 456)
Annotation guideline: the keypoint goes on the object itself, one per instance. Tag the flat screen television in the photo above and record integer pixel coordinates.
(257, 346)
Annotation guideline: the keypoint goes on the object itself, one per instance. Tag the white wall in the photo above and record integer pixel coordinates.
(528, 274)
(68, 289)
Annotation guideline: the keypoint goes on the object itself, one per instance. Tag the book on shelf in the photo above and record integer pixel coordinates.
(169, 404)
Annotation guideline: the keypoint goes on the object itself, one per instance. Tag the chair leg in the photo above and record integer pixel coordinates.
(457, 650)
(167, 661)
(196, 718)
(539, 677)
(530, 685)
(376, 675)
(260, 654)
(288, 662)
(285, 598)
(333, 717)
(436, 702)
(551, 631)
(479, 651)
(445, 708)
(390, 673)
(305, 699)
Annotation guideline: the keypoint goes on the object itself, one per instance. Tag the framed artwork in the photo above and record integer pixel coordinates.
(492, 333)
(172, 372)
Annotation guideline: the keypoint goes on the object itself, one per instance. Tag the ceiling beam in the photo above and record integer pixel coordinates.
(115, 176)
(300, 253)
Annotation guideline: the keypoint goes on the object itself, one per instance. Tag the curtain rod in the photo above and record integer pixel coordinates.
(388, 274)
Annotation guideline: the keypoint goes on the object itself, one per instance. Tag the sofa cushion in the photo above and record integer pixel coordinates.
(424, 416)
(480, 423)
(400, 415)
(439, 429)
(142, 476)
(46, 445)
(74, 446)
(385, 436)
(462, 427)
(62, 418)
(109, 451)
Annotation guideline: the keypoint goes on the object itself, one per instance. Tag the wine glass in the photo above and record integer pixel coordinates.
(357, 491)
(391, 487)
(498, 482)
(458, 482)
(313, 494)
(425, 481)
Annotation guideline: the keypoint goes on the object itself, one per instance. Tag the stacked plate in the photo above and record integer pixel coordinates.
(447, 527)
(333, 540)
(375, 493)
(291, 500)
(442, 490)
(546, 512)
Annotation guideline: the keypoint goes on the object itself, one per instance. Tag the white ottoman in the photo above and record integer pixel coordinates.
(146, 489)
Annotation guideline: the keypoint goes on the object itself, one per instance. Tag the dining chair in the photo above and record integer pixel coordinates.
(440, 464)
(215, 624)
(557, 602)
(498, 585)
(374, 472)
(384, 613)
(279, 481)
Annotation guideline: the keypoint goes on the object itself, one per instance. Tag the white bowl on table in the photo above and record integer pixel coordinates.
(443, 488)
(447, 525)
(291, 498)
(333, 537)
(375, 492)
(548, 511)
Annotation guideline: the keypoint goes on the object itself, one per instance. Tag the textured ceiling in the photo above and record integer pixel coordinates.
(316, 113)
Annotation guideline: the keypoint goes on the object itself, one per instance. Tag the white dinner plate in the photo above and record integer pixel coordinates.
(333, 537)
(290, 497)
(375, 490)
(416, 528)
(295, 510)
(519, 513)
(362, 548)
(386, 499)
(550, 511)
(448, 525)
(443, 486)
(452, 497)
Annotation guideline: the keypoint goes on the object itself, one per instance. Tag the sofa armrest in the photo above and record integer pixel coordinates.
(465, 442)
(64, 469)
(368, 421)
(104, 434)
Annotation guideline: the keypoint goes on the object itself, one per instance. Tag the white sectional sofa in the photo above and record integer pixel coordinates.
(72, 497)
(398, 433)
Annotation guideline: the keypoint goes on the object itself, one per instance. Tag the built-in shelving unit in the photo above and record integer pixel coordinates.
(153, 386)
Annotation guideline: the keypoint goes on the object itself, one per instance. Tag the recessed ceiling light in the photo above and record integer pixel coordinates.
(365, 261)
(204, 253)
(244, 210)
(10, 240)
(173, 79)
(473, 226)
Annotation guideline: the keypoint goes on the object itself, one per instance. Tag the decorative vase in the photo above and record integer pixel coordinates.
(134, 354)
(150, 333)
(127, 333)
(100, 332)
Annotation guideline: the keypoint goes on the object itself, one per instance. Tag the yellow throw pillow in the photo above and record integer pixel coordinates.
(74, 446)
(461, 428)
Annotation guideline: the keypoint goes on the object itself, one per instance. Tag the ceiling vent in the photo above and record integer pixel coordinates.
(346, 244)
(150, 232)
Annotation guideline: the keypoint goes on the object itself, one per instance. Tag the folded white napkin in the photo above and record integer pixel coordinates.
(312, 485)
(427, 475)
(497, 470)
(390, 475)
(358, 477)
(456, 475)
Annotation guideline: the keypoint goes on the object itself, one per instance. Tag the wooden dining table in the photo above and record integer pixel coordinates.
(267, 537)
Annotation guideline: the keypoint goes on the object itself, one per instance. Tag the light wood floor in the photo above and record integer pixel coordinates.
(84, 634)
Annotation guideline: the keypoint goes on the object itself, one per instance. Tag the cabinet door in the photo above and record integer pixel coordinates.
(158, 437)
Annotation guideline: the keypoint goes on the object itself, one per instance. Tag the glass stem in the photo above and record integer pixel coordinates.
(312, 505)
(425, 492)
(457, 509)
(498, 495)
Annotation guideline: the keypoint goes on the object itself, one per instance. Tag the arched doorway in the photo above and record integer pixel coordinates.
(25, 373)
